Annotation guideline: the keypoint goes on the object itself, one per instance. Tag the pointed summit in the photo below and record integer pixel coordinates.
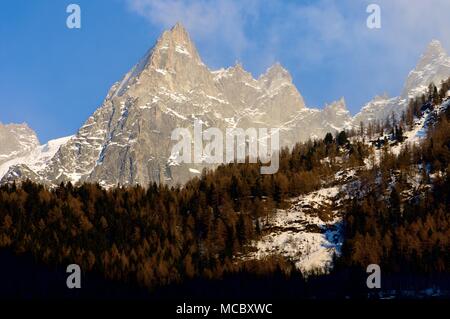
(433, 53)
(173, 55)
(177, 36)
(276, 71)
(178, 33)
(178, 27)
(338, 107)
(433, 66)
(174, 49)
(238, 72)
(435, 48)
(238, 66)
(275, 77)
(336, 116)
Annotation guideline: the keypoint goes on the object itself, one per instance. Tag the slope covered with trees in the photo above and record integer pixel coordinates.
(158, 236)
(161, 235)
(403, 220)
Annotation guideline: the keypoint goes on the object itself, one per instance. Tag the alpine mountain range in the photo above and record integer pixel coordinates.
(127, 140)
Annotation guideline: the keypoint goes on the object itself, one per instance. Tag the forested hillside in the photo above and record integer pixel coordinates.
(398, 218)
(402, 219)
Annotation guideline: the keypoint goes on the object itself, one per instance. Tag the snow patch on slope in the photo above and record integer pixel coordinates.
(38, 158)
(303, 234)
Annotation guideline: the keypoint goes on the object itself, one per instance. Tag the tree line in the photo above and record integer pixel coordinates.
(159, 235)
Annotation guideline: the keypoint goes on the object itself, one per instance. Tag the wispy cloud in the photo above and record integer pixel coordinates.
(411, 22)
(315, 27)
(252, 26)
(310, 36)
(221, 23)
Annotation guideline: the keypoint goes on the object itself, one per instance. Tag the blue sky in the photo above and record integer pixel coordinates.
(54, 78)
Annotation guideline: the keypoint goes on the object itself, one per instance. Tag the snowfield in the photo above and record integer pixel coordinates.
(303, 233)
(38, 158)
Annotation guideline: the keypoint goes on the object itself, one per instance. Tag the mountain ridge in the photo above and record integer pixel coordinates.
(127, 139)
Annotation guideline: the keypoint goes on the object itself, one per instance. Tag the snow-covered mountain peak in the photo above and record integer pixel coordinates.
(381, 97)
(434, 51)
(173, 64)
(276, 71)
(16, 140)
(177, 35)
(336, 116)
(275, 77)
(172, 51)
(127, 139)
(174, 43)
(178, 31)
(19, 145)
(338, 107)
(433, 67)
(237, 71)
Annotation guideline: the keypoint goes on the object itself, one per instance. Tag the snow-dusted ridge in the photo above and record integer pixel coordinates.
(37, 158)
(127, 139)
(432, 67)
(169, 88)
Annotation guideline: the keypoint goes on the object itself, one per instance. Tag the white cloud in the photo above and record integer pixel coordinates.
(206, 20)
(411, 22)
(314, 30)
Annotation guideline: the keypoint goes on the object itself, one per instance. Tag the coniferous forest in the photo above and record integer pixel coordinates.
(165, 240)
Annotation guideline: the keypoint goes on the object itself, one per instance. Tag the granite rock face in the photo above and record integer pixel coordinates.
(128, 141)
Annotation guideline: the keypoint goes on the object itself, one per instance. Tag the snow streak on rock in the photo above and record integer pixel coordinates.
(309, 233)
